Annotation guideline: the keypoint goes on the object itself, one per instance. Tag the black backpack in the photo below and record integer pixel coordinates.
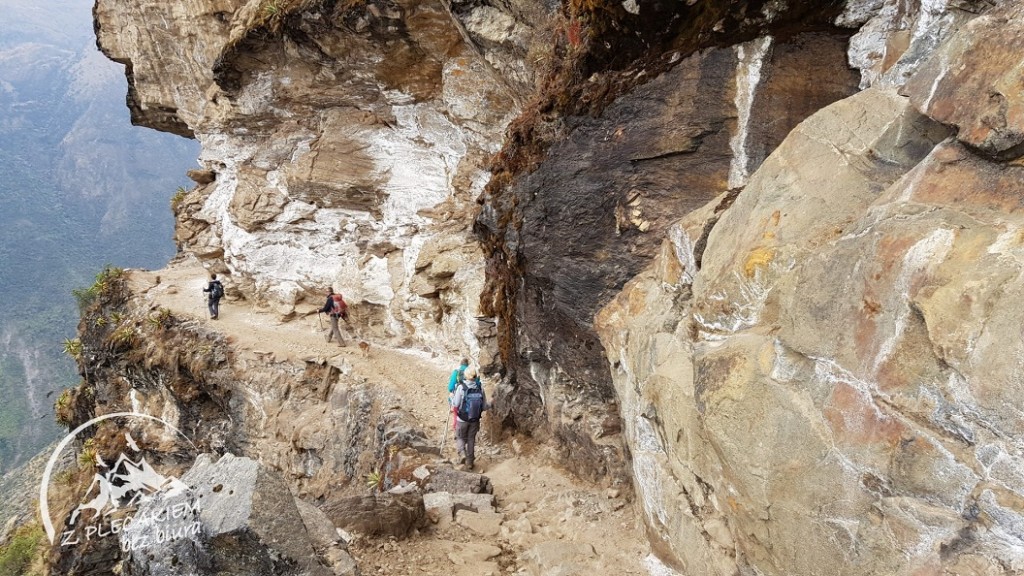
(217, 290)
(472, 403)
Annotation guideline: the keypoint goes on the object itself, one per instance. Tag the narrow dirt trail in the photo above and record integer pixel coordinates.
(550, 522)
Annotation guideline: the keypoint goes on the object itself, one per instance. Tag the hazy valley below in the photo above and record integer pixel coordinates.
(81, 188)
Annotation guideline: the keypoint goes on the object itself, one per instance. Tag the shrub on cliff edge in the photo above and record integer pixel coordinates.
(22, 554)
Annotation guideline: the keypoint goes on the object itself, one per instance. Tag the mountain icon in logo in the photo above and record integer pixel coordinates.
(127, 483)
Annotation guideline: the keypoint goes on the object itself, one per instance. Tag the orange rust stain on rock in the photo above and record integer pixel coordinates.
(890, 253)
(855, 420)
(870, 307)
(637, 302)
(963, 182)
(864, 336)
(758, 258)
(894, 374)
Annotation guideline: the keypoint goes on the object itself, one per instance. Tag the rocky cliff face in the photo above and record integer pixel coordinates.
(827, 378)
(794, 224)
(344, 144)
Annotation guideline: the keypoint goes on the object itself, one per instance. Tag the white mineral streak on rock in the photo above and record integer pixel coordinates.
(540, 375)
(913, 179)
(1006, 534)
(133, 396)
(772, 9)
(830, 373)
(493, 25)
(857, 12)
(931, 28)
(894, 41)
(751, 58)
(257, 95)
(923, 256)
(944, 66)
(1008, 243)
(171, 414)
(648, 453)
(682, 247)
(783, 370)
(652, 481)
(656, 567)
(631, 6)
(868, 46)
(745, 305)
(420, 157)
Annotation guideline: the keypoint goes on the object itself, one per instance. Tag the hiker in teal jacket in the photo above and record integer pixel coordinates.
(454, 381)
(456, 377)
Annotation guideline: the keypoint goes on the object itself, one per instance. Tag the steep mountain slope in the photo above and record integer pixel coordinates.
(76, 181)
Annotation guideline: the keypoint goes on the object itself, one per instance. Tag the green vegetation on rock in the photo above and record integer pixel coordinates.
(22, 555)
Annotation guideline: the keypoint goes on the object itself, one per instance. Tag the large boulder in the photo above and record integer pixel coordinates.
(827, 378)
(395, 514)
(237, 517)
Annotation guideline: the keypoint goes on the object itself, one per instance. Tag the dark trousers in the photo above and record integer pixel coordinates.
(214, 305)
(465, 439)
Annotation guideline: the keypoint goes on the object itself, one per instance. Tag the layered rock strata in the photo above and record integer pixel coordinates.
(343, 144)
(593, 213)
(825, 382)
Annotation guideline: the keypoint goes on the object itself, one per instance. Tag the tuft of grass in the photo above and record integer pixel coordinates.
(164, 318)
(62, 408)
(64, 477)
(123, 337)
(23, 553)
(87, 458)
(375, 480)
(73, 348)
(178, 198)
(106, 279)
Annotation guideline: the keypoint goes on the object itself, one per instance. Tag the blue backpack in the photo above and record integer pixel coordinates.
(472, 403)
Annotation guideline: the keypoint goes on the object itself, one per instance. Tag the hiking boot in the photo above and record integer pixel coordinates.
(469, 465)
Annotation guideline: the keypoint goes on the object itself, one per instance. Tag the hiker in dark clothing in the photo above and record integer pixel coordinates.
(468, 404)
(335, 308)
(214, 292)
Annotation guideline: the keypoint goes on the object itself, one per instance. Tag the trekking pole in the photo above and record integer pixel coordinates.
(444, 437)
(320, 320)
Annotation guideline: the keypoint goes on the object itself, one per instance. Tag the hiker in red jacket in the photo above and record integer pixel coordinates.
(335, 308)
